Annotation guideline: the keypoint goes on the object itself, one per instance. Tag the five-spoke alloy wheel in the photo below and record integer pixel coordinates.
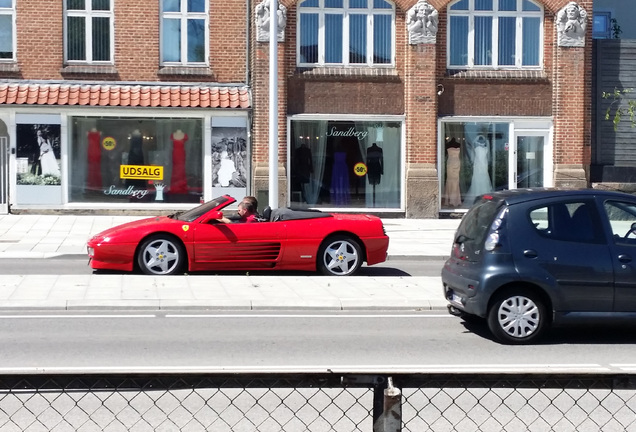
(339, 256)
(160, 255)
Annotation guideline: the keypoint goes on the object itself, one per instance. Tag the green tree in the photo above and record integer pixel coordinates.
(615, 111)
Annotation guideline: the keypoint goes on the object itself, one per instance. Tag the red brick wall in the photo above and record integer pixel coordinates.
(137, 25)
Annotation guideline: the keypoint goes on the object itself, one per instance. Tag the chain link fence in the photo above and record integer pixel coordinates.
(317, 402)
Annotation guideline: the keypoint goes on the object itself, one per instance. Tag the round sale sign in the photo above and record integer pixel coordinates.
(360, 169)
(109, 143)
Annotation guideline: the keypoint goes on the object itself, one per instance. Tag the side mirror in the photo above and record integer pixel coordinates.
(213, 215)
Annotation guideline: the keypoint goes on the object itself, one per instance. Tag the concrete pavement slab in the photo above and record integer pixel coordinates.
(49, 236)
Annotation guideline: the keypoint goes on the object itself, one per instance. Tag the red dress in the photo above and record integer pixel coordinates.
(94, 180)
(178, 180)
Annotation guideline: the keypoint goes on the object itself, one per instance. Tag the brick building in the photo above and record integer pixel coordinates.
(401, 108)
(112, 105)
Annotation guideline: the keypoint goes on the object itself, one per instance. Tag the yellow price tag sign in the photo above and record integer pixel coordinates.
(109, 143)
(360, 169)
(141, 172)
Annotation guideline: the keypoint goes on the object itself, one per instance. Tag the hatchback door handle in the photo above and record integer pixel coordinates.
(530, 253)
(624, 258)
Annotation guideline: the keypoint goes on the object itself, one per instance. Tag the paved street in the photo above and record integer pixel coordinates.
(47, 236)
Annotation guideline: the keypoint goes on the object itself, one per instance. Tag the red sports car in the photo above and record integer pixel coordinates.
(284, 239)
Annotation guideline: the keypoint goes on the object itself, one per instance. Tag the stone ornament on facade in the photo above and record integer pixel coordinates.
(571, 25)
(262, 21)
(421, 23)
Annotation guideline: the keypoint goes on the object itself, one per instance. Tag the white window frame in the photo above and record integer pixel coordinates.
(519, 14)
(346, 11)
(183, 15)
(10, 11)
(88, 14)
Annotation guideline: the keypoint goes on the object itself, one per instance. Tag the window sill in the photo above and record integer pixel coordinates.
(354, 73)
(535, 75)
(185, 70)
(89, 69)
(10, 67)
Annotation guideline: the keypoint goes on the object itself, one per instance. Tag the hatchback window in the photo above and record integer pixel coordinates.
(622, 217)
(473, 229)
(566, 221)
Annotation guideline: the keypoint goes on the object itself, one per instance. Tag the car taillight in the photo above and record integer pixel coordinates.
(491, 241)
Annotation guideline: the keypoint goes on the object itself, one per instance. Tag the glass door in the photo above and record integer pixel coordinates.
(529, 161)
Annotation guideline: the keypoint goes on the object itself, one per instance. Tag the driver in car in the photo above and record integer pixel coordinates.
(246, 212)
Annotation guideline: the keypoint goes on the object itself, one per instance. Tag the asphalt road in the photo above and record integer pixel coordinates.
(242, 342)
(78, 264)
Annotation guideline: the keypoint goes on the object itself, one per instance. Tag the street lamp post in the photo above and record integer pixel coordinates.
(273, 104)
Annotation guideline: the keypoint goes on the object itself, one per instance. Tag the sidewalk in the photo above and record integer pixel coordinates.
(48, 236)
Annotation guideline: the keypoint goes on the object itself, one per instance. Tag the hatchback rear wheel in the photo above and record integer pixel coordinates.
(518, 317)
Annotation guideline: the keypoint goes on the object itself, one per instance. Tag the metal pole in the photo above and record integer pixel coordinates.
(273, 104)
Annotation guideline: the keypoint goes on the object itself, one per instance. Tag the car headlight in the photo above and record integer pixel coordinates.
(91, 251)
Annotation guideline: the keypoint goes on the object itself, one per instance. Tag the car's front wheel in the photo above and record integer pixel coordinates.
(160, 255)
(339, 256)
(518, 317)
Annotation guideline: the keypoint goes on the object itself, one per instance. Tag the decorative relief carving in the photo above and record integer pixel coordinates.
(421, 22)
(571, 24)
(262, 21)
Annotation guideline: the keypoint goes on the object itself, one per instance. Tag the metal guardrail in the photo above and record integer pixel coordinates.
(318, 402)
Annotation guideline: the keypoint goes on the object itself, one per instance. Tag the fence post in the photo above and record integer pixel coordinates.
(390, 420)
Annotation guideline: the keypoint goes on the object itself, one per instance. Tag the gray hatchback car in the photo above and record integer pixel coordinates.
(526, 259)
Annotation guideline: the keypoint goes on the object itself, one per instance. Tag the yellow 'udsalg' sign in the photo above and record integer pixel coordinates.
(141, 172)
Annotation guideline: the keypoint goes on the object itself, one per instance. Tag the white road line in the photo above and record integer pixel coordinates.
(73, 316)
(340, 369)
(304, 316)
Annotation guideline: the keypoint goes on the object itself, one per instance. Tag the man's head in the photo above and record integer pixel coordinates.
(246, 208)
(252, 200)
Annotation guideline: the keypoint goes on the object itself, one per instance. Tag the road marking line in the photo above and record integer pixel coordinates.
(74, 316)
(301, 316)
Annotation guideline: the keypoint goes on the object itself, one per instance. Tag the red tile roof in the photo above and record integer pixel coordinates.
(124, 95)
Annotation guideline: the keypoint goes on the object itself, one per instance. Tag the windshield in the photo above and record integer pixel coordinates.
(197, 212)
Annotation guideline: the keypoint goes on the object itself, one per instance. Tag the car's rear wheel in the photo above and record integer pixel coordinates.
(161, 255)
(518, 317)
(339, 256)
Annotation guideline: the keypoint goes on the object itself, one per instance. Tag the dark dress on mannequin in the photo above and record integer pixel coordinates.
(375, 164)
(178, 179)
(340, 180)
(303, 167)
(94, 180)
(136, 157)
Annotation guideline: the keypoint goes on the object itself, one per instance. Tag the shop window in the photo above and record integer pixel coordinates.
(7, 30)
(346, 32)
(136, 160)
(184, 32)
(345, 164)
(495, 34)
(474, 161)
(88, 31)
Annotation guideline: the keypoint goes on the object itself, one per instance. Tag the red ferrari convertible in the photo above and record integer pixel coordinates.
(284, 239)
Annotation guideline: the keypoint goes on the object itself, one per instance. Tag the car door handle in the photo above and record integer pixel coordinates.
(624, 258)
(530, 253)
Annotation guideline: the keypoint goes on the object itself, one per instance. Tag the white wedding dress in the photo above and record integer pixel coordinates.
(480, 183)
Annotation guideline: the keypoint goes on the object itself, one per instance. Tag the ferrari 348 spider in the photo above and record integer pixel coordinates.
(284, 239)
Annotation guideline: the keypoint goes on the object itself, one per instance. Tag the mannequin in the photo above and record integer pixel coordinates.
(94, 168)
(339, 178)
(480, 183)
(375, 166)
(452, 193)
(136, 156)
(178, 179)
